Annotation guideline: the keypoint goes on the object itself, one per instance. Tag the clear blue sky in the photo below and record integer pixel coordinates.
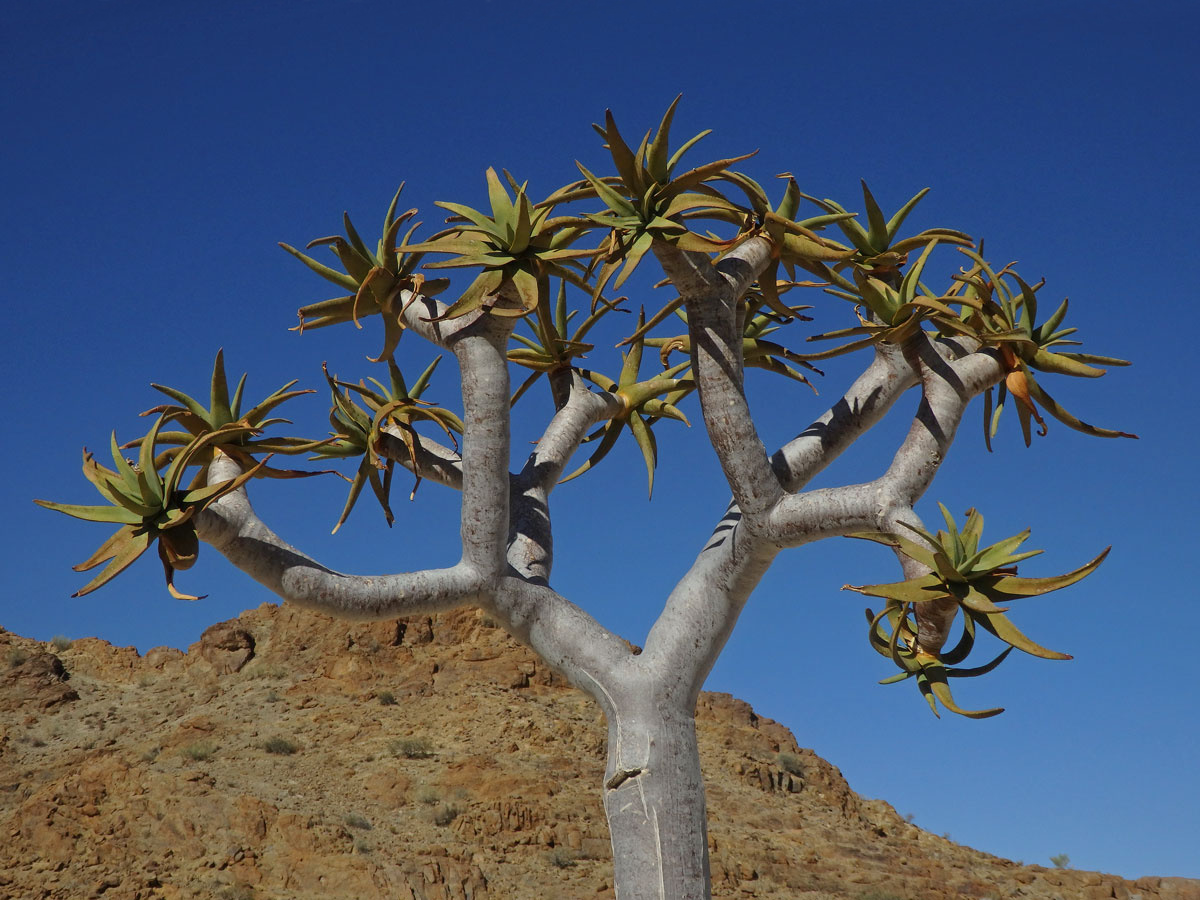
(154, 153)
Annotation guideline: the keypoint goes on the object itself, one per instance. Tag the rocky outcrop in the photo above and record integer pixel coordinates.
(288, 755)
(35, 679)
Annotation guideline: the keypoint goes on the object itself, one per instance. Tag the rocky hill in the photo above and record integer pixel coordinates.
(288, 755)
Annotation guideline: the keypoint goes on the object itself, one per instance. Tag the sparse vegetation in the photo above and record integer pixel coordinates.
(562, 858)
(152, 754)
(412, 748)
(445, 814)
(15, 656)
(60, 642)
(361, 846)
(791, 763)
(386, 698)
(1061, 861)
(428, 795)
(236, 892)
(273, 697)
(280, 746)
(199, 751)
(263, 670)
(357, 820)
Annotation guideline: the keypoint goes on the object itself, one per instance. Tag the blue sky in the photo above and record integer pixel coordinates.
(155, 153)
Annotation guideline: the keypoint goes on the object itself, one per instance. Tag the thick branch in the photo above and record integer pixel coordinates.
(702, 610)
(712, 295)
(582, 411)
(435, 462)
(573, 643)
(480, 350)
(530, 539)
(865, 403)
(231, 526)
(949, 381)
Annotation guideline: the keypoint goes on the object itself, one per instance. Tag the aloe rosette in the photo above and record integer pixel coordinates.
(224, 410)
(643, 403)
(519, 246)
(377, 279)
(1005, 316)
(150, 506)
(647, 200)
(979, 581)
(357, 432)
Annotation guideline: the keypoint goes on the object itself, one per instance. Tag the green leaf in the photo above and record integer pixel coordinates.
(893, 225)
(656, 155)
(220, 412)
(916, 590)
(106, 513)
(608, 195)
(1062, 364)
(339, 278)
(1055, 409)
(622, 156)
(648, 445)
(877, 235)
(127, 550)
(999, 625)
(1014, 586)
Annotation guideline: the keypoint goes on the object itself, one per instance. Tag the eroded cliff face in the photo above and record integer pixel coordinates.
(289, 755)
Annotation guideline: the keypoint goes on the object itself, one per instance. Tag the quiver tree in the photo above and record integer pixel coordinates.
(539, 278)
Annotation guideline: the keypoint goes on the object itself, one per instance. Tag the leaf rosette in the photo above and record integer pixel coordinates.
(381, 282)
(518, 248)
(224, 410)
(391, 409)
(978, 580)
(150, 506)
(1002, 310)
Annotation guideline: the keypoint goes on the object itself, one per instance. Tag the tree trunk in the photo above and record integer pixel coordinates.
(654, 801)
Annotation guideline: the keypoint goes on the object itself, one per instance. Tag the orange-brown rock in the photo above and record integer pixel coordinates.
(289, 755)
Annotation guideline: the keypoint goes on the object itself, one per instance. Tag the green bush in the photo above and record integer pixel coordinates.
(412, 748)
(15, 657)
(354, 820)
(60, 642)
(445, 814)
(1061, 861)
(792, 764)
(199, 751)
(280, 746)
(386, 698)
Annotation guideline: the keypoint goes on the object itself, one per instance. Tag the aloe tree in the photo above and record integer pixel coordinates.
(539, 280)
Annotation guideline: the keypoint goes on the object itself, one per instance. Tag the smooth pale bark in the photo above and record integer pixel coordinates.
(653, 793)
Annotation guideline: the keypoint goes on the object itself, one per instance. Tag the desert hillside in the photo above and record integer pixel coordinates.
(288, 755)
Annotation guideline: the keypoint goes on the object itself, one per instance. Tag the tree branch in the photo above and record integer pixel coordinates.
(480, 350)
(712, 295)
(232, 527)
(864, 404)
(435, 462)
(530, 537)
(950, 378)
(573, 643)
